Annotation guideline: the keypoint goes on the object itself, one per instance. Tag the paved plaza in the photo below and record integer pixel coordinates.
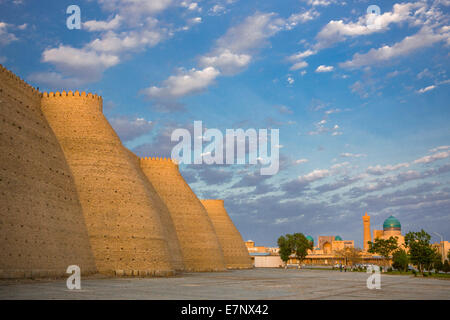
(237, 284)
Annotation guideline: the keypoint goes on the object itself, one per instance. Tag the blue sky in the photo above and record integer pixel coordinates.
(363, 112)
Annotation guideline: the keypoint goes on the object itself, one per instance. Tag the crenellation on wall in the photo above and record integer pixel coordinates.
(18, 82)
(73, 194)
(93, 100)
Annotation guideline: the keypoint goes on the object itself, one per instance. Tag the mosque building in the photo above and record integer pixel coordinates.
(391, 228)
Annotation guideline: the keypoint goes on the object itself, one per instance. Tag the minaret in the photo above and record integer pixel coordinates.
(367, 237)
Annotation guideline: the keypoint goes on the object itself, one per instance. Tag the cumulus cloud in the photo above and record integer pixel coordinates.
(134, 10)
(231, 54)
(323, 3)
(140, 30)
(352, 155)
(301, 17)
(300, 161)
(434, 157)
(187, 82)
(422, 39)
(339, 30)
(228, 62)
(439, 148)
(94, 25)
(5, 36)
(323, 68)
(426, 89)
(314, 175)
(73, 63)
(381, 170)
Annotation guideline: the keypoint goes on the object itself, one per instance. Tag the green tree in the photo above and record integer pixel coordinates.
(400, 260)
(350, 256)
(300, 246)
(421, 252)
(285, 248)
(448, 255)
(446, 267)
(383, 247)
(437, 263)
(296, 244)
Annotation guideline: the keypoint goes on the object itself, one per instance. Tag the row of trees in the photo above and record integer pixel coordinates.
(419, 252)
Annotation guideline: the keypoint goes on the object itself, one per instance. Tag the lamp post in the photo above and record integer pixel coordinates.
(442, 245)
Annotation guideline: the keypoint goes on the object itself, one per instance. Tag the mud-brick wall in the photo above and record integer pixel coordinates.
(198, 241)
(42, 229)
(125, 229)
(234, 250)
(176, 258)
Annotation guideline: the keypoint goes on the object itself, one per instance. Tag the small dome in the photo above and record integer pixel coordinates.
(338, 238)
(311, 239)
(391, 223)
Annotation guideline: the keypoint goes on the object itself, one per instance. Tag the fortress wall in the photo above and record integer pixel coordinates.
(234, 250)
(42, 229)
(125, 229)
(176, 258)
(199, 243)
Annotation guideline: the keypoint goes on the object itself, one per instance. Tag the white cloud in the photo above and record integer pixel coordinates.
(323, 68)
(336, 31)
(302, 17)
(134, 10)
(112, 42)
(429, 88)
(231, 54)
(227, 62)
(299, 65)
(323, 3)
(187, 82)
(298, 59)
(93, 25)
(439, 148)
(352, 155)
(314, 175)
(434, 157)
(300, 161)
(302, 55)
(424, 38)
(380, 170)
(290, 80)
(5, 36)
(77, 61)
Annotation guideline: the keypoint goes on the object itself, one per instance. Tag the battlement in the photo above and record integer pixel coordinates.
(89, 98)
(71, 94)
(19, 82)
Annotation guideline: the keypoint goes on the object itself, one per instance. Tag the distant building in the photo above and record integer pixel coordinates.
(391, 228)
(442, 248)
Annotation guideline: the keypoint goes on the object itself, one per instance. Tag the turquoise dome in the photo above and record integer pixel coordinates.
(391, 223)
(338, 238)
(311, 239)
